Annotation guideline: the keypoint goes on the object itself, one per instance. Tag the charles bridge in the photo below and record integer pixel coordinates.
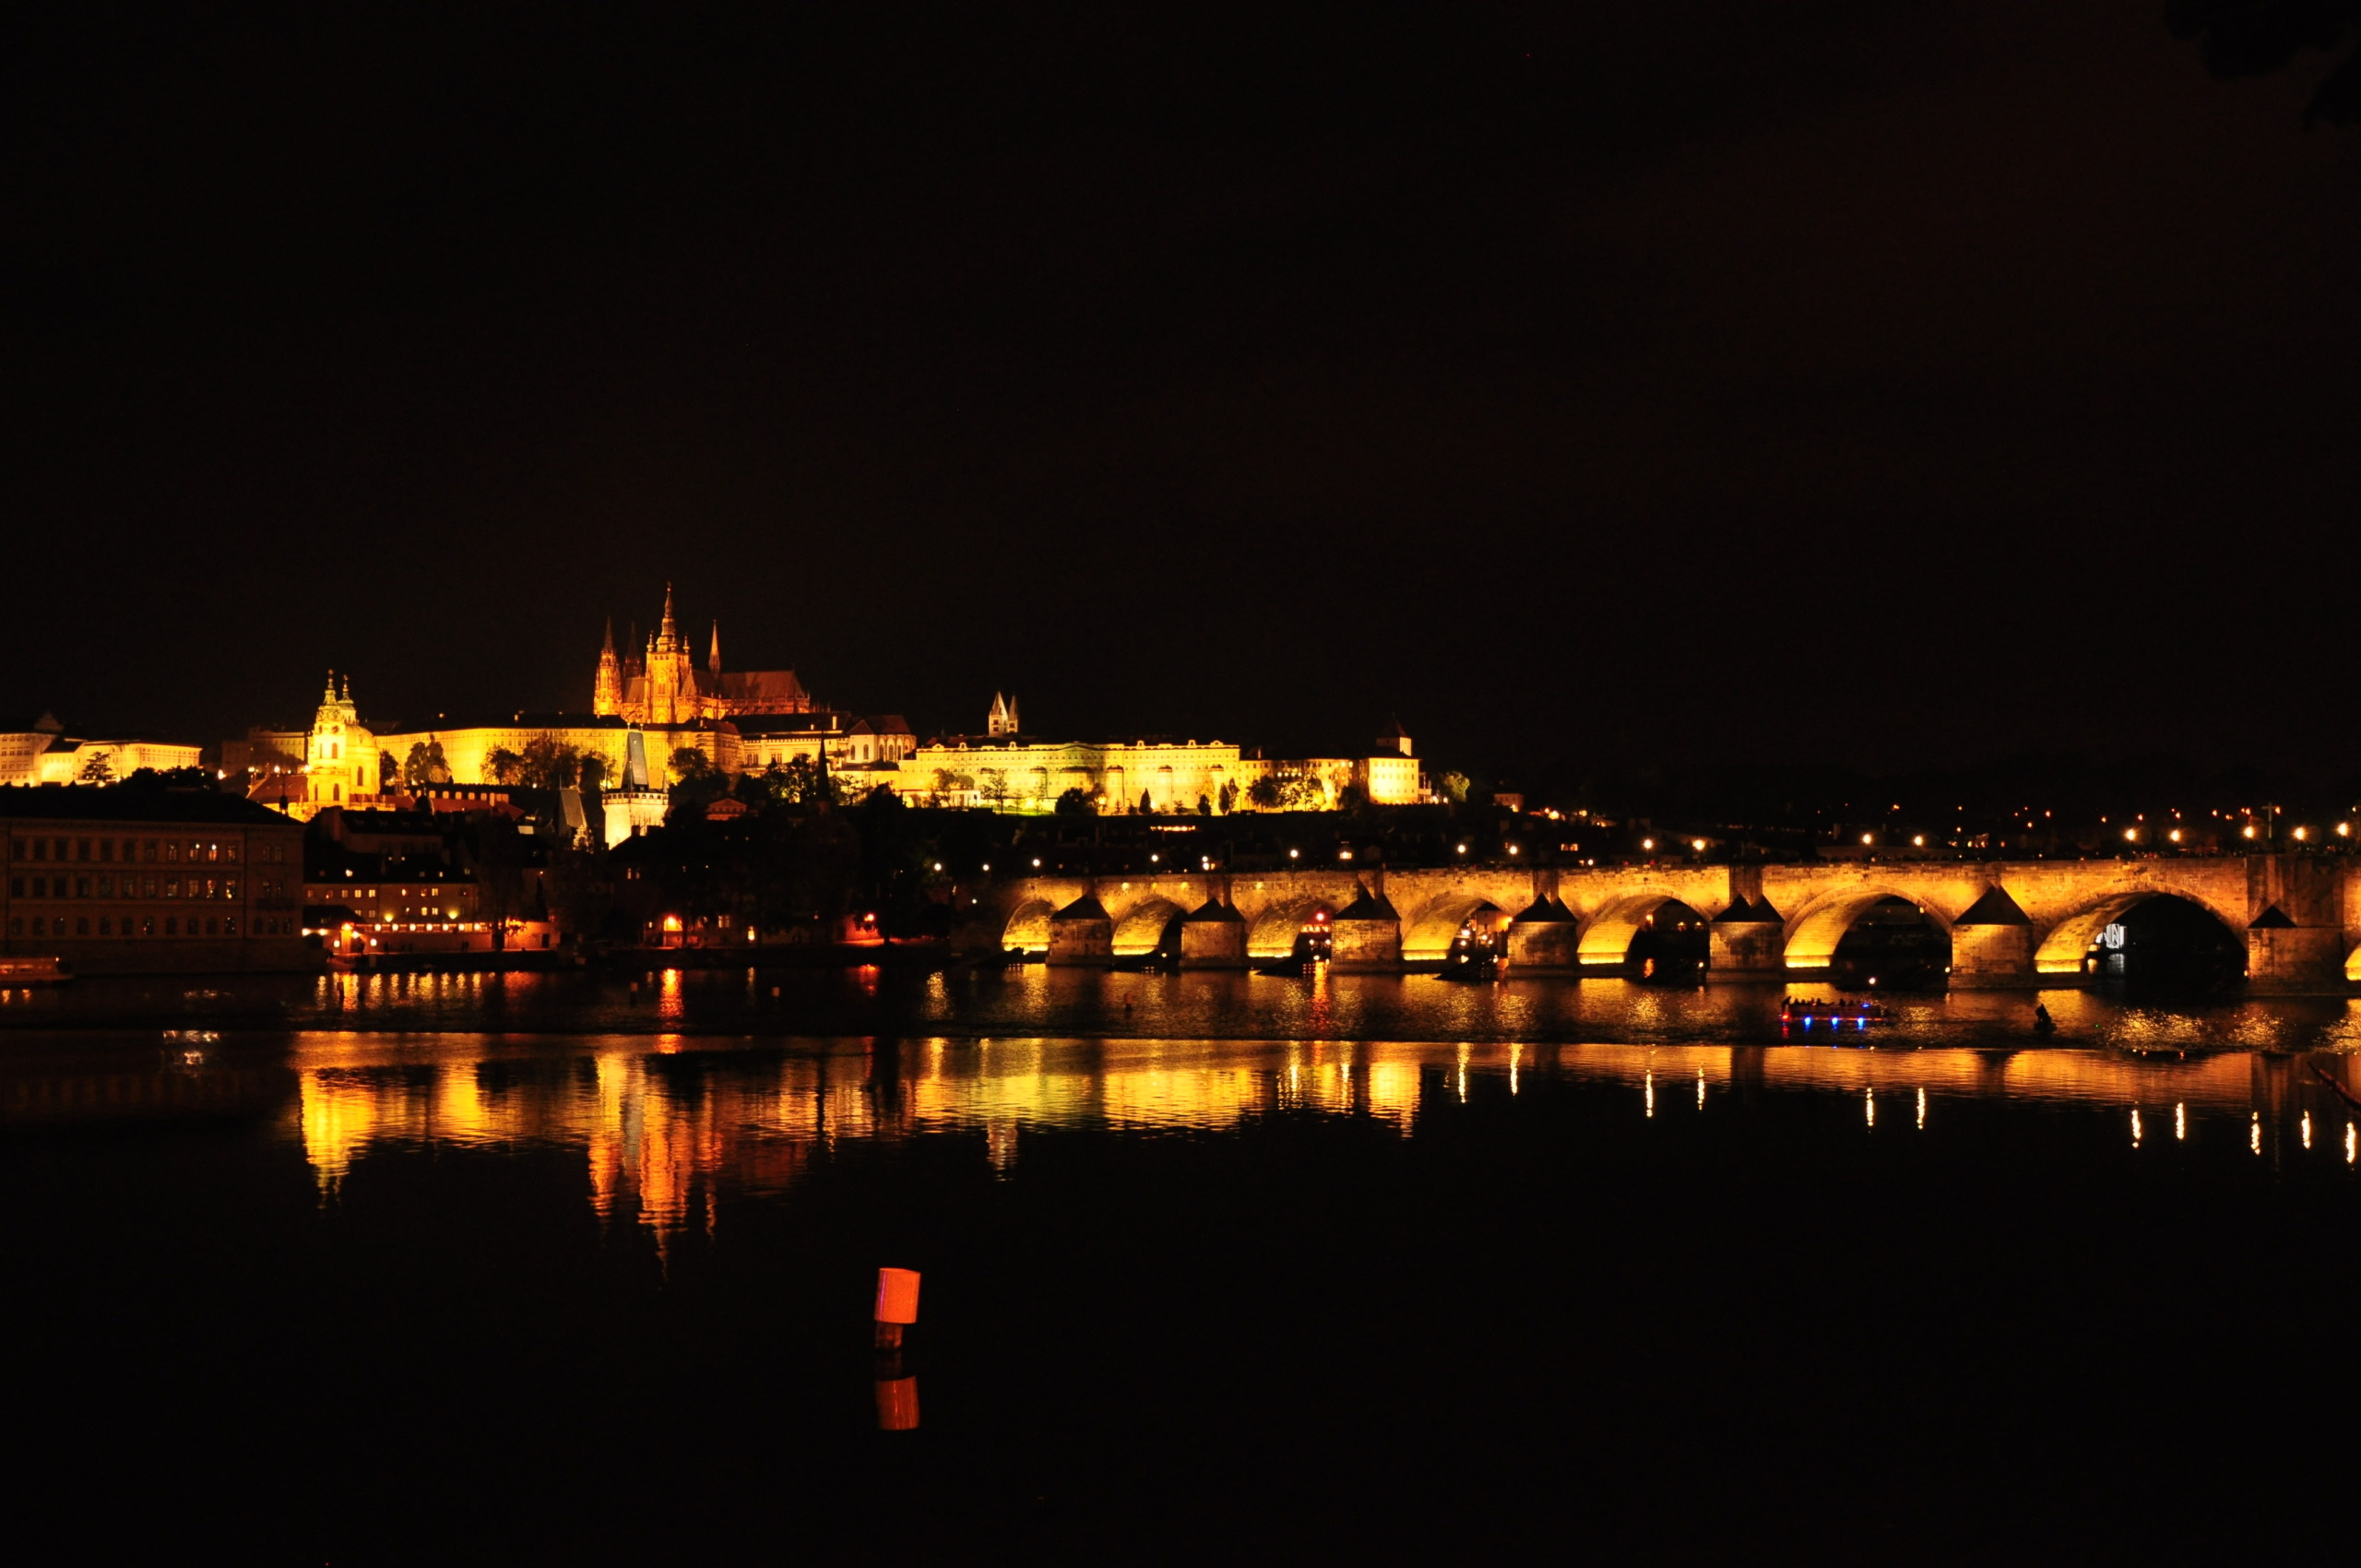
(2026, 923)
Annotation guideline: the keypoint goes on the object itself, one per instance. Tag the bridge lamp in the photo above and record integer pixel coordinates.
(1294, 853)
(1513, 848)
(1648, 844)
(2302, 832)
(2247, 831)
(2174, 836)
(1698, 845)
(1917, 840)
(2345, 830)
(938, 865)
(1868, 839)
(988, 865)
(1463, 849)
(2131, 836)
(1036, 863)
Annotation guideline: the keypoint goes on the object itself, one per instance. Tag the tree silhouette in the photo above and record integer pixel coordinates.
(2255, 38)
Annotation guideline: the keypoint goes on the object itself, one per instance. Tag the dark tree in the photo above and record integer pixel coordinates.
(2254, 38)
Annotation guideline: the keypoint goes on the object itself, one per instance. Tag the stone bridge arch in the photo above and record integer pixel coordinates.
(1029, 926)
(1274, 931)
(1426, 936)
(1607, 935)
(1814, 931)
(2066, 943)
(1140, 929)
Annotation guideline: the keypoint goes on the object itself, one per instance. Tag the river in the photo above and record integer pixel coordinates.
(402, 1269)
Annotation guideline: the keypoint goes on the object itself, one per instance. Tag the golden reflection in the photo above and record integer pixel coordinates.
(668, 1128)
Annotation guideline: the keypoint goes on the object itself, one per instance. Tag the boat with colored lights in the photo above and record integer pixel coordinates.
(1831, 1019)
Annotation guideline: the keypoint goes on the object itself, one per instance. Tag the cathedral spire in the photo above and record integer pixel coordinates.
(670, 637)
(330, 696)
(609, 649)
(713, 659)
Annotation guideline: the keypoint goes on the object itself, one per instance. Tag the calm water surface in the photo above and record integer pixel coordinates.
(376, 1290)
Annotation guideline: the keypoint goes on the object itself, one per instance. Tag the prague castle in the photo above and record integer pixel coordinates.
(661, 704)
(662, 686)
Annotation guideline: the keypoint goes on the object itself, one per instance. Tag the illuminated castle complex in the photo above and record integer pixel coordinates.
(663, 686)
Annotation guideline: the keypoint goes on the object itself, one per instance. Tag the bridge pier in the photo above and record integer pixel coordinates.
(1367, 937)
(2289, 957)
(1081, 935)
(1746, 942)
(1213, 937)
(1992, 945)
(1545, 940)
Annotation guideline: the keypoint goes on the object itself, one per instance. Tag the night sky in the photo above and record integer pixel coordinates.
(1679, 382)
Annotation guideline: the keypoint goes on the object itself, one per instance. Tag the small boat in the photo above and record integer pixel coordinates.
(1832, 1018)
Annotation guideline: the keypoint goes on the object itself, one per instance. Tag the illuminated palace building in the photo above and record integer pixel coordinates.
(661, 701)
(643, 710)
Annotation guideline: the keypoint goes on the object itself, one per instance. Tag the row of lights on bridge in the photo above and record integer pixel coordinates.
(1697, 846)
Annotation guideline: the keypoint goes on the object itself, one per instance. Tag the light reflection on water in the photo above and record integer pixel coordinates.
(666, 1126)
(1033, 1000)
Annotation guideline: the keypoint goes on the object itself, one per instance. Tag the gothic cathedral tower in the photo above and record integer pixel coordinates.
(607, 691)
(672, 673)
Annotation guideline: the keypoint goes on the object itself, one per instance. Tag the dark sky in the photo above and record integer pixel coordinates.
(1676, 382)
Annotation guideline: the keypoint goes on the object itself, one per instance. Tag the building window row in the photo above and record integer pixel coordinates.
(132, 888)
(170, 851)
(130, 925)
